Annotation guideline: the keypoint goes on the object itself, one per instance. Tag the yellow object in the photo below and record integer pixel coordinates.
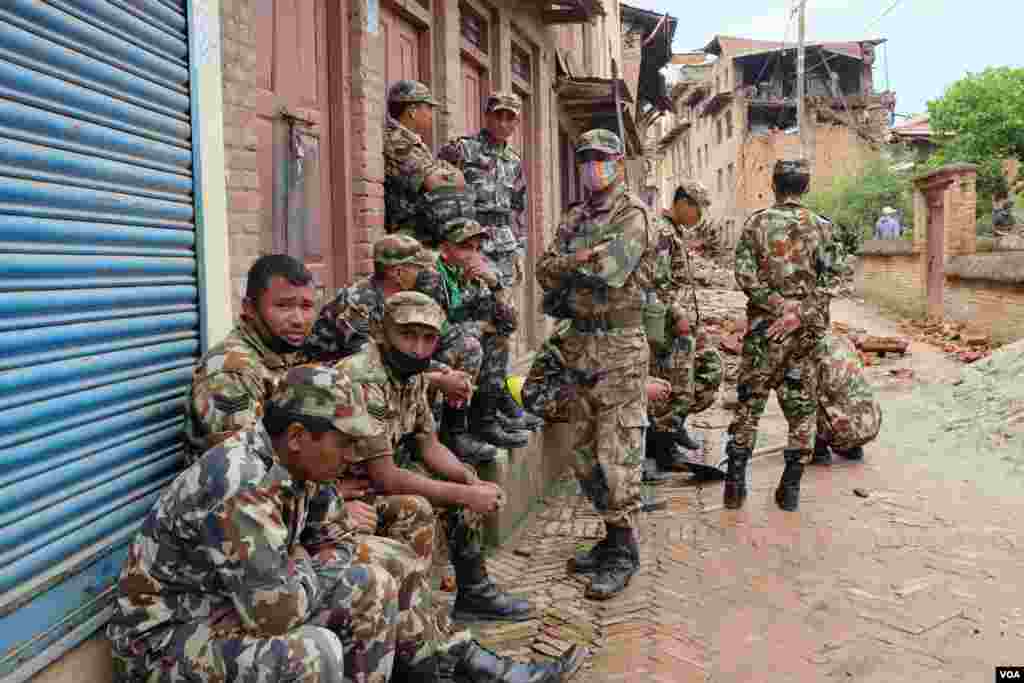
(515, 383)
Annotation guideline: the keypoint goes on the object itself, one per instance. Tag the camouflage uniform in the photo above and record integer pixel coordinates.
(405, 414)
(242, 572)
(408, 162)
(494, 172)
(785, 255)
(230, 384)
(686, 362)
(606, 340)
(848, 413)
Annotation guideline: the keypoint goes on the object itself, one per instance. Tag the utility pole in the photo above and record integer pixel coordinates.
(800, 76)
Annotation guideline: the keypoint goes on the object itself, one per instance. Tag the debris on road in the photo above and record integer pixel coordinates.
(952, 337)
(860, 493)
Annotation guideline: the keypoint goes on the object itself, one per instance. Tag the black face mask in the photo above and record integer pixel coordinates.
(404, 364)
(276, 344)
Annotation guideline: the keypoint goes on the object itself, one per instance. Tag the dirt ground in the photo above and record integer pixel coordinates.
(917, 576)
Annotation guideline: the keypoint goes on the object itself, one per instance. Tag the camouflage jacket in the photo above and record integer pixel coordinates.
(229, 386)
(222, 546)
(619, 230)
(494, 172)
(402, 407)
(673, 280)
(407, 163)
(343, 326)
(844, 393)
(788, 253)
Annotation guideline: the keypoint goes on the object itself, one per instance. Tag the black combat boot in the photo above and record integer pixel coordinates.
(589, 560)
(487, 426)
(788, 494)
(652, 473)
(684, 439)
(662, 447)
(513, 418)
(619, 562)
(822, 456)
(466, 447)
(470, 662)
(736, 477)
(477, 597)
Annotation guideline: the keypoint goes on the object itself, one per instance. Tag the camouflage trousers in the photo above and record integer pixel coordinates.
(846, 427)
(508, 295)
(404, 546)
(608, 419)
(460, 349)
(790, 367)
(458, 527)
(695, 373)
(359, 610)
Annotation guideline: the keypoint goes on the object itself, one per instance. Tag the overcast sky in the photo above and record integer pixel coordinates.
(932, 43)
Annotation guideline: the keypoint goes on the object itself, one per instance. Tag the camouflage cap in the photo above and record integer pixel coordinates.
(792, 167)
(413, 308)
(393, 250)
(410, 91)
(321, 392)
(458, 230)
(502, 99)
(601, 140)
(696, 191)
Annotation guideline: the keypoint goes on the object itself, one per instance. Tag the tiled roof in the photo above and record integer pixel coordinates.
(732, 46)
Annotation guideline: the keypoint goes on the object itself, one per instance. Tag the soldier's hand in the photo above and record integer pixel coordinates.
(351, 488)
(483, 498)
(658, 389)
(787, 324)
(683, 327)
(585, 256)
(362, 515)
(456, 385)
(470, 478)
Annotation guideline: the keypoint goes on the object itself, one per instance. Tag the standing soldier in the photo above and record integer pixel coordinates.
(494, 172)
(849, 415)
(787, 263)
(684, 360)
(410, 169)
(596, 272)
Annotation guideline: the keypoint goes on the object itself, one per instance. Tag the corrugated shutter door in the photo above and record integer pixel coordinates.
(99, 308)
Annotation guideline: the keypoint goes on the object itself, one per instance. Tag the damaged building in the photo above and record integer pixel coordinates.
(734, 112)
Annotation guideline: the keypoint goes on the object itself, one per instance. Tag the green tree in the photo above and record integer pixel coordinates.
(980, 119)
(855, 202)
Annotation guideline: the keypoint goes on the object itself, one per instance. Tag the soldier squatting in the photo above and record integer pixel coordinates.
(327, 449)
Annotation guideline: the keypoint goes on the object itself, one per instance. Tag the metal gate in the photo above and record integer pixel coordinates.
(99, 304)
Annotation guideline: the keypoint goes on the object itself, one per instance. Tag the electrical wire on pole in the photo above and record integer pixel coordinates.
(800, 76)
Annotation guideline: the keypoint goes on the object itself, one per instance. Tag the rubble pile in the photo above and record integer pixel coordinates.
(952, 337)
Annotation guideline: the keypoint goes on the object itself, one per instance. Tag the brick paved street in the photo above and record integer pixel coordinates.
(919, 581)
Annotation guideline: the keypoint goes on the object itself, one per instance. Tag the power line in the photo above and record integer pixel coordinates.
(883, 15)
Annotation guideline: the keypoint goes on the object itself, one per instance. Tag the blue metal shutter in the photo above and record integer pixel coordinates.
(99, 311)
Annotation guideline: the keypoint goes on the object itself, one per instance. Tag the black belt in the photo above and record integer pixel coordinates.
(619, 321)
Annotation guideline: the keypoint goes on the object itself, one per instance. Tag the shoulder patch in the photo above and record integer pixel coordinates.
(231, 405)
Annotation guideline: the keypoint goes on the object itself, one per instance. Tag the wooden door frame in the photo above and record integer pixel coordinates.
(339, 97)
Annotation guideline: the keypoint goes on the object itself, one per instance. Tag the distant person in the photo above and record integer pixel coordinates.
(888, 226)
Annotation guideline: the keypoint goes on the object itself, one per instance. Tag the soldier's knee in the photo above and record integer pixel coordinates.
(316, 652)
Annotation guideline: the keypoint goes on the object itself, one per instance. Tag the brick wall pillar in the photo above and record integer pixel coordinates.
(368, 111)
(245, 201)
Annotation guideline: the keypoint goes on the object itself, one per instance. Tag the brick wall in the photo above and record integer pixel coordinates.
(245, 200)
(892, 280)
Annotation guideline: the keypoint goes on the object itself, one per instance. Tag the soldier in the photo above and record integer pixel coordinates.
(494, 172)
(849, 416)
(410, 169)
(787, 263)
(412, 460)
(235, 377)
(466, 292)
(595, 273)
(343, 328)
(219, 582)
(685, 360)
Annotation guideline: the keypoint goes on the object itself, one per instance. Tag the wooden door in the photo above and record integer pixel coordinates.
(291, 124)
(936, 272)
(473, 92)
(528, 303)
(402, 48)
